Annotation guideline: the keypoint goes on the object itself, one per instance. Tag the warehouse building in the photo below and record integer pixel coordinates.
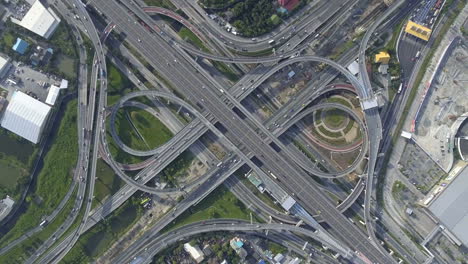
(451, 209)
(4, 66)
(40, 20)
(25, 116)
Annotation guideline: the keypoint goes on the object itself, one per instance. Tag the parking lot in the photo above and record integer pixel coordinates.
(419, 168)
(25, 79)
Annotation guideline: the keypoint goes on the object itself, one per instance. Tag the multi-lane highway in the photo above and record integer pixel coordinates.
(85, 127)
(186, 76)
(161, 241)
(243, 134)
(301, 23)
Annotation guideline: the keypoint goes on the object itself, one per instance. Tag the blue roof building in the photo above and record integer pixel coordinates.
(20, 46)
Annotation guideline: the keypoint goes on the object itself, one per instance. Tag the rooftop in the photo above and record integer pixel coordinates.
(40, 20)
(53, 94)
(3, 62)
(353, 67)
(20, 46)
(25, 116)
(451, 207)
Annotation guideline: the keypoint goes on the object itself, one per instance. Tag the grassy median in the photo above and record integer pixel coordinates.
(221, 203)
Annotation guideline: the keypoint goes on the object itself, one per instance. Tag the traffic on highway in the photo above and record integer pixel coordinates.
(218, 131)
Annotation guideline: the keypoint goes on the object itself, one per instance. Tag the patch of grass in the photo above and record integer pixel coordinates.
(107, 183)
(276, 248)
(10, 174)
(99, 238)
(329, 133)
(151, 128)
(127, 132)
(226, 71)
(118, 154)
(177, 168)
(16, 147)
(61, 39)
(397, 188)
(331, 141)
(54, 179)
(221, 203)
(9, 39)
(189, 36)
(66, 65)
(349, 126)
(339, 100)
(341, 49)
(303, 149)
(334, 117)
(118, 84)
(16, 159)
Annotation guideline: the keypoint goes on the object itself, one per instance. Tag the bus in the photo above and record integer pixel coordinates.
(400, 88)
(272, 175)
(43, 223)
(145, 200)
(271, 41)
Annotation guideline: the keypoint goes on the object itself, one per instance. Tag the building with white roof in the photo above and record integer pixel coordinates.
(40, 20)
(288, 202)
(4, 66)
(194, 252)
(353, 68)
(64, 84)
(450, 208)
(53, 94)
(25, 116)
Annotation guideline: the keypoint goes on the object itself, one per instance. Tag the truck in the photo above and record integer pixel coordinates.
(219, 164)
(271, 41)
(43, 223)
(272, 175)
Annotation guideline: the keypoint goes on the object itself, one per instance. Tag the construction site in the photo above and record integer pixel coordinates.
(445, 100)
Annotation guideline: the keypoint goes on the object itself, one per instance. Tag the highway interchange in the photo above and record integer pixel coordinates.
(245, 136)
(211, 100)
